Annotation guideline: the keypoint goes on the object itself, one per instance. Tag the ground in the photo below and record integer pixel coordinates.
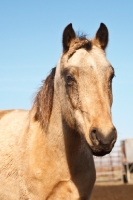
(113, 192)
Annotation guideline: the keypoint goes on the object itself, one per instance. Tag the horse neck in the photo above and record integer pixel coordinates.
(54, 130)
(68, 147)
(66, 139)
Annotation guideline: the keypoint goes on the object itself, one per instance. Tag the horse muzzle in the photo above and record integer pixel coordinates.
(102, 144)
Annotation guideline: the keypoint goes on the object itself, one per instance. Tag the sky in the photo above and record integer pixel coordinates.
(31, 44)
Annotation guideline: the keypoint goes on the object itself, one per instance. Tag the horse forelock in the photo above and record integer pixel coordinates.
(44, 100)
(78, 43)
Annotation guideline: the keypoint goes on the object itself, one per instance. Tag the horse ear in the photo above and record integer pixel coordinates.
(101, 38)
(68, 36)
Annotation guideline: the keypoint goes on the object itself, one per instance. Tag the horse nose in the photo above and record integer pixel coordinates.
(99, 138)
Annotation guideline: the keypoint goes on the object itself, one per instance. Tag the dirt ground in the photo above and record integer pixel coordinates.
(112, 192)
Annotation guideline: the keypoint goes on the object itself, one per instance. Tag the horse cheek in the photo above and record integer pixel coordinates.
(73, 96)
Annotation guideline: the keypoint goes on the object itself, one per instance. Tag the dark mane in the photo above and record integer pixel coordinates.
(44, 100)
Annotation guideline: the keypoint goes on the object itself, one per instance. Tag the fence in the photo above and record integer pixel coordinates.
(109, 167)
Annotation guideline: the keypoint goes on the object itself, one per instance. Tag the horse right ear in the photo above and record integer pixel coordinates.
(68, 36)
(102, 35)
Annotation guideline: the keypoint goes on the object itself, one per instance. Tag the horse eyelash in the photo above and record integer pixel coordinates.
(113, 73)
(112, 76)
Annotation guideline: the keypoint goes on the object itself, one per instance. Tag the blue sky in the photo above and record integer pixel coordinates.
(30, 45)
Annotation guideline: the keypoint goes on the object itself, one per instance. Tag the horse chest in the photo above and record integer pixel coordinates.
(64, 190)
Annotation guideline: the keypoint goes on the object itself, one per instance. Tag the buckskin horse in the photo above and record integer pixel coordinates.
(46, 153)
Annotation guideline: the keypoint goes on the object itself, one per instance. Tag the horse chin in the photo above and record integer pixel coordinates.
(99, 151)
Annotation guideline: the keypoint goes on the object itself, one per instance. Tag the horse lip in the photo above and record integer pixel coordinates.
(100, 151)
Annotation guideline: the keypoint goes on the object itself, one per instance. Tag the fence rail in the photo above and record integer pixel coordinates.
(109, 167)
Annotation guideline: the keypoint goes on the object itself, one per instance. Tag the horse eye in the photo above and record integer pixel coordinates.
(69, 79)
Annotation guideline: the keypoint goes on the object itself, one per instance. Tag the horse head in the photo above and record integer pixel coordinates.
(84, 81)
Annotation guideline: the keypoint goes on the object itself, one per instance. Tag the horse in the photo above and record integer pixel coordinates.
(46, 153)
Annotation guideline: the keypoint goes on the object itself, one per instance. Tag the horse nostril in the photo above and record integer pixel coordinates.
(114, 137)
(93, 136)
(98, 138)
(94, 131)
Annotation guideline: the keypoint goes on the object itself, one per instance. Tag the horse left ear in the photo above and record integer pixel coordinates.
(102, 35)
(68, 36)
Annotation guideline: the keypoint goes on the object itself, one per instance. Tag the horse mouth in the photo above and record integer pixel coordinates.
(100, 150)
